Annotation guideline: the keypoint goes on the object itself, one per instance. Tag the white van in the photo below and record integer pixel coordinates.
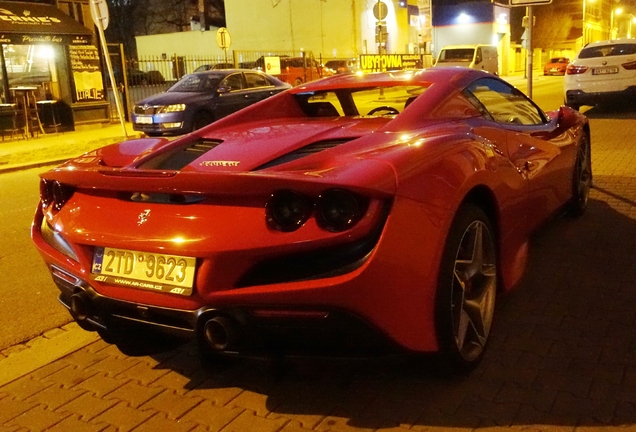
(481, 57)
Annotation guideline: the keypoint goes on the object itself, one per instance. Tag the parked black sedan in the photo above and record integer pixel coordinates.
(200, 98)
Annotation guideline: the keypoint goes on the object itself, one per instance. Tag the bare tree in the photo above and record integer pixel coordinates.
(130, 18)
(126, 18)
(552, 27)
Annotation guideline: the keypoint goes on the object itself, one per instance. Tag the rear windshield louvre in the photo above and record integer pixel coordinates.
(181, 157)
(304, 151)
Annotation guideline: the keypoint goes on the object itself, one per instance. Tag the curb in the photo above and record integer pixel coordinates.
(22, 359)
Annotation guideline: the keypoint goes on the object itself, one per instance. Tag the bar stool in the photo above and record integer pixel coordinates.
(48, 114)
(24, 96)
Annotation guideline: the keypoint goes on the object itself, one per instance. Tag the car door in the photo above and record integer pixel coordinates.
(532, 145)
(259, 86)
(232, 95)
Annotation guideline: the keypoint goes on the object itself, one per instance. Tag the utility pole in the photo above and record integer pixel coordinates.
(202, 14)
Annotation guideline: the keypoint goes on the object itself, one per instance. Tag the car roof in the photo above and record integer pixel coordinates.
(224, 72)
(611, 42)
(453, 77)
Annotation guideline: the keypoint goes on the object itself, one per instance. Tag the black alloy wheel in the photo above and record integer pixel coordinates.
(582, 179)
(466, 291)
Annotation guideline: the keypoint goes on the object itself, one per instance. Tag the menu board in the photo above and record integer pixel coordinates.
(87, 75)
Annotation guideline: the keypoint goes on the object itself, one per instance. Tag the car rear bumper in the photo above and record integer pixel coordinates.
(366, 277)
(246, 330)
(580, 97)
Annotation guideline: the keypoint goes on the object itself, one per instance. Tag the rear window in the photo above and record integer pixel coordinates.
(374, 101)
(608, 50)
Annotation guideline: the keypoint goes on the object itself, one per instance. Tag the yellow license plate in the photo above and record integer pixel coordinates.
(144, 270)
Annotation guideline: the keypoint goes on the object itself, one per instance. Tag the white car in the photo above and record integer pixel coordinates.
(602, 71)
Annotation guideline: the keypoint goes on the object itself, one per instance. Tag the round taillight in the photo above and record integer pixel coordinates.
(45, 196)
(338, 210)
(54, 192)
(287, 210)
(61, 193)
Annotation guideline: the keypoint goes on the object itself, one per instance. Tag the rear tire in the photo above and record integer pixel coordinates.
(466, 290)
(581, 179)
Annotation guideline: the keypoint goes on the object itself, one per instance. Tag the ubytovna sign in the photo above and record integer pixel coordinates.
(388, 62)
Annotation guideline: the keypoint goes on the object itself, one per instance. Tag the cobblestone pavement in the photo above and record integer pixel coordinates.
(562, 356)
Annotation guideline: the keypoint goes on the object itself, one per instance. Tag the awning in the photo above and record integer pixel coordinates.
(32, 23)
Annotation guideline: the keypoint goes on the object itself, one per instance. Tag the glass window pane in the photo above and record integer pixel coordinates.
(30, 65)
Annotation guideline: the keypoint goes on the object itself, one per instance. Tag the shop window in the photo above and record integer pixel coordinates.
(32, 66)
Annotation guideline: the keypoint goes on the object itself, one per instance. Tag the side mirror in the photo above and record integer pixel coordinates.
(568, 117)
(223, 89)
(563, 120)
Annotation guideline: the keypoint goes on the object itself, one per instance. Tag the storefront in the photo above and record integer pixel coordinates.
(48, 56)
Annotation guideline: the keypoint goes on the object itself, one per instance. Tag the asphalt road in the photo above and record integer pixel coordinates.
(28, 297)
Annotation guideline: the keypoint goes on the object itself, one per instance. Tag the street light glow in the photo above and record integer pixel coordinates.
(464, 18)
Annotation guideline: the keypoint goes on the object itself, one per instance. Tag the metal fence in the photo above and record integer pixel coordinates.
(148, 75)
(175, 66)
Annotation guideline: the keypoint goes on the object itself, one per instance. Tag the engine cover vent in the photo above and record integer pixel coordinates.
(305, 151)
(180, 157)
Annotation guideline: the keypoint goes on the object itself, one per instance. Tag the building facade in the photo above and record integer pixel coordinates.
(50, 53)
(332, 29)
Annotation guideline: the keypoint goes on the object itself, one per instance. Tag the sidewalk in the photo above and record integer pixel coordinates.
(58, 147)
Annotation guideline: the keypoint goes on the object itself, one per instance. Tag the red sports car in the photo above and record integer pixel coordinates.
(354, 215)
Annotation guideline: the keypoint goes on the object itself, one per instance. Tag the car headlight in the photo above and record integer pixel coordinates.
(171, 108)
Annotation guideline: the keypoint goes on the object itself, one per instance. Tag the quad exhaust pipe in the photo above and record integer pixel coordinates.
(80, 306)
(221, 333)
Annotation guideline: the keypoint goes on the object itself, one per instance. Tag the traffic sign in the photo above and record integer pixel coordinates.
(223, 38)
(380, 10)
(99, 13)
